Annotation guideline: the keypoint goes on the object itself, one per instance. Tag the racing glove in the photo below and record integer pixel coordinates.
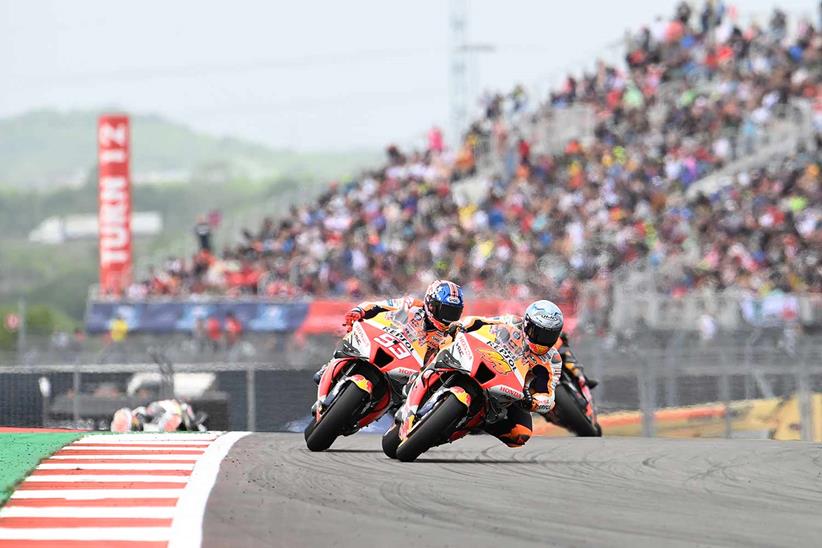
(541, 403)
(454, 328)
(354, 315)
(527, 400)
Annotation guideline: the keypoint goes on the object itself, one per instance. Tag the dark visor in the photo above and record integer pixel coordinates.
(541, 335)
(445, 312)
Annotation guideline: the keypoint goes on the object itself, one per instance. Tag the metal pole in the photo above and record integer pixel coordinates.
(725, 393)
(805, 401)
(75, 402)
(646, 399)
(749, 378)
(598, 373)
(652, 393)
(251, 399)
(673, 354)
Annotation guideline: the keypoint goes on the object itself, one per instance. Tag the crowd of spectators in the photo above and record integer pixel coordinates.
(697, 92)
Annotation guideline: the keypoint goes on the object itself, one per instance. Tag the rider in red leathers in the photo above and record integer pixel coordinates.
(425, 322)
(541, 326)
(158, 416)
(570, 362)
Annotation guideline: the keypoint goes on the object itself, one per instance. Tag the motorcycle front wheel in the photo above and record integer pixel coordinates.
(390, 441)
(432, 428)
(571, 416)
(320, 435)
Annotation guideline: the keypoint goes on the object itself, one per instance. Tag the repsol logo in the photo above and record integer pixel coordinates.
(504, 352)
(397, 334)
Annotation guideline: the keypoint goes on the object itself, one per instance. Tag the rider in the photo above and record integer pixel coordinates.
(158, 416)
(541, 326)
(425, 322)
(569, 360)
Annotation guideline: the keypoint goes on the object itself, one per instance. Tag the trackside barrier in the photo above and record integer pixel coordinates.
(268, 386)
(249, 396)
(774, 418)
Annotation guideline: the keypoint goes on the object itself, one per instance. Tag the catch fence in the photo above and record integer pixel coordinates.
(641, 372)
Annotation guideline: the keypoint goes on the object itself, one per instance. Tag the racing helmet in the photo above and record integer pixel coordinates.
(443, 303)
(543, 325)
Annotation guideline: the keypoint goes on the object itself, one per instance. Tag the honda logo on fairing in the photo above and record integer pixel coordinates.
(507, 391)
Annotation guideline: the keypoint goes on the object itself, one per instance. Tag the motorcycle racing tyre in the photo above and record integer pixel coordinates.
(572, 416)
(444, 415)
(320, 435)
(390, 441)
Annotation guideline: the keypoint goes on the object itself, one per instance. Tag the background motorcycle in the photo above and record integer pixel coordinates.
(371, 365)
(574, 409)
(471, 381)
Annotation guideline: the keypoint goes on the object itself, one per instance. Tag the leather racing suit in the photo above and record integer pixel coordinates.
(157, 416)
(408, 314)
(541, 382)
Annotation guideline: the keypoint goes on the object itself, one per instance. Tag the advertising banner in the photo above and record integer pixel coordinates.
(114, 204)
(771, 311)
(182, 316)
(255, 315)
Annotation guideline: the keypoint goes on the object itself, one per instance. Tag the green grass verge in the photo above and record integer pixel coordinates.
(20, 454)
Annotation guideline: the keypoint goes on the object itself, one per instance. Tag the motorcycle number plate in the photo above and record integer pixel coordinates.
(394, 346)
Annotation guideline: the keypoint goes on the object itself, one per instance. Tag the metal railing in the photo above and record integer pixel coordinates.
(643, 371)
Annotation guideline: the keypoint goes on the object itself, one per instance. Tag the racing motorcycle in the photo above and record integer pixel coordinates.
(574, 409)
(365, 378)
(470, 382)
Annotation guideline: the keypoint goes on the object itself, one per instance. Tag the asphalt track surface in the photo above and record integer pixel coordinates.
(273, 492)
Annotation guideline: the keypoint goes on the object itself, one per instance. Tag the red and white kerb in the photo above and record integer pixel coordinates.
(127, 490)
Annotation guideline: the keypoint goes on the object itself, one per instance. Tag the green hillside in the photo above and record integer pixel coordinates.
(45, 149)
(38, 151)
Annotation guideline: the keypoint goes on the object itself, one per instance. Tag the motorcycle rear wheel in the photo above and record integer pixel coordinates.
(432, 428)
(336, 418)
(571, 416)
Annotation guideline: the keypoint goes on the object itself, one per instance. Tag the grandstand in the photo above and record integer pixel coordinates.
(231, 385)
(669, 195)
(694, 163)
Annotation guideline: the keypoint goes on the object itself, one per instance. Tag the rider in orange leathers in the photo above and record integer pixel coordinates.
(541, 327)
(424, 321)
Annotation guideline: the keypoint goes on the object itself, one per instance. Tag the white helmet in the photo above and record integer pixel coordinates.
(543, 325)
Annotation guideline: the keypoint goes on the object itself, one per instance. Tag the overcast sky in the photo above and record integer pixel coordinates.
(305, 75)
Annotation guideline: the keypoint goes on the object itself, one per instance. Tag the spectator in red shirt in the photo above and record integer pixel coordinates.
(214, 331)
(233, 329)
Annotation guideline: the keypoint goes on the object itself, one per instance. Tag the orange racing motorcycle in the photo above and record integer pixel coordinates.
(574, 409)
(471, 381)
(365, 379)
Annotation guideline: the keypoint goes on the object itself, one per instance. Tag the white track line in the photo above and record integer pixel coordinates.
(90, 494)
(87, 533)
(115, 466)
(130, 447)
(146, 458)
(107, 477)
(147, 438)
(187, 527)
(87, 512)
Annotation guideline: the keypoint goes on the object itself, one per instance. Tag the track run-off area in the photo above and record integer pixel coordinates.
(131, 490)
(271, 491)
